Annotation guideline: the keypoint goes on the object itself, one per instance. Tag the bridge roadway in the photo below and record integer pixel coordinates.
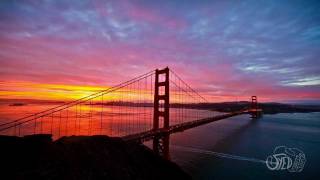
(148, 135)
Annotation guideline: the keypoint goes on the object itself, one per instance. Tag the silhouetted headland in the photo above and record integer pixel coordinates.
(82, 157)
(17, 104)
(268, 108)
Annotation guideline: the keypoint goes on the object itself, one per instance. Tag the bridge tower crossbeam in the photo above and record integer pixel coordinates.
(255, 112)
(161, 112)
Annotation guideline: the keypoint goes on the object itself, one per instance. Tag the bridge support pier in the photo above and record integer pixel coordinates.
(161, 112)
(161, 145)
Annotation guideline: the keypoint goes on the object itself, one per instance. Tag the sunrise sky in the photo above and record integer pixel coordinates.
(224, 49)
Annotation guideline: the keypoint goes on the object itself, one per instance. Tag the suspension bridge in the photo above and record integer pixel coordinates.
(148, 107)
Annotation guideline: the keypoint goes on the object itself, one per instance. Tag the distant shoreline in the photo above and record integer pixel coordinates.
(268, 108)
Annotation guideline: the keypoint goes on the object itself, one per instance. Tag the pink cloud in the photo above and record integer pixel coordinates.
(154, 16)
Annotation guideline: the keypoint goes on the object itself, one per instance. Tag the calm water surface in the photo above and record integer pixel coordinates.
(245, 144)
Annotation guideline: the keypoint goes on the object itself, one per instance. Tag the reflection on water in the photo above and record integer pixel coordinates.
(89, 119)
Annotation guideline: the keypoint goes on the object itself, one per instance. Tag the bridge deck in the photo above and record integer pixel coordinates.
(147, 135)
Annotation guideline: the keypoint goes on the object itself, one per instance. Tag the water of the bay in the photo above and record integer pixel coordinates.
(232, 148)
(236, 148)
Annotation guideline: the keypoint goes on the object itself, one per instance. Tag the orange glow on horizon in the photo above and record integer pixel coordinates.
(37, 91)
(20, 90)
(63, 92)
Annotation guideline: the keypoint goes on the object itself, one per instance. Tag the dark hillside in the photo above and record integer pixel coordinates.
(82, 157)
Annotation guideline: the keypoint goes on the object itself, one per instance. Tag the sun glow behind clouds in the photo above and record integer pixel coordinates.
(29, 90)
(61, 92)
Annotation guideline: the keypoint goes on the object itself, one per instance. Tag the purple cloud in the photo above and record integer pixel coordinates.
(222, 48)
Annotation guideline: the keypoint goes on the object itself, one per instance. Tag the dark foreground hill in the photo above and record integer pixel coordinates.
(81, 157)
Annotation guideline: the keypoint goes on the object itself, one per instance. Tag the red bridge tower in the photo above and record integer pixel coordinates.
(161, 112)
(254, 110)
